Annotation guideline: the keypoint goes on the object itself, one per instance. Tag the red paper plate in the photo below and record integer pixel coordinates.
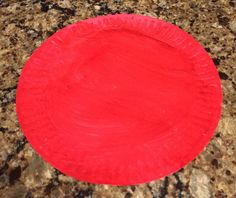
(122, 99)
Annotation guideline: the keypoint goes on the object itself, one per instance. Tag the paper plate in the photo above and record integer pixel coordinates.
(122, 99)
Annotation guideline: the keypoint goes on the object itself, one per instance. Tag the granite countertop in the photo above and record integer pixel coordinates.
(26, 24)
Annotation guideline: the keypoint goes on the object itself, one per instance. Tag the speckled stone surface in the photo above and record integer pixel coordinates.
(24, 25)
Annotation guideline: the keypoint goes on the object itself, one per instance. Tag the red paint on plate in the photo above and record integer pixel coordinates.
(120, 100)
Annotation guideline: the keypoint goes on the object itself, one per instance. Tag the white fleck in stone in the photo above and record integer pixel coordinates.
(232, 25)
(227, 126)
(199, 184)
(96, 7)
(216, 25)
(65, 179)
(162, 3)
(65, 3)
